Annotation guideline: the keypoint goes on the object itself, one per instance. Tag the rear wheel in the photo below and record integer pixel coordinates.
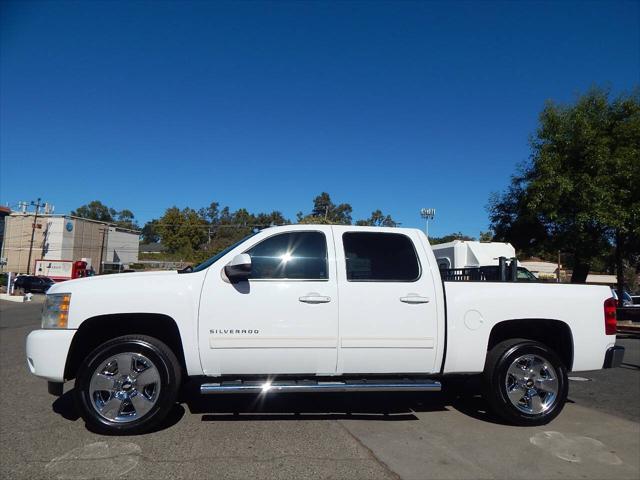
(525, 382)
(128, 385)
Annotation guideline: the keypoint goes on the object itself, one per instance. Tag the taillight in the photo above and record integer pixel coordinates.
(610, 322)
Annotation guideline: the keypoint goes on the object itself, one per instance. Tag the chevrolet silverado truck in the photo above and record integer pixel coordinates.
(316, 308)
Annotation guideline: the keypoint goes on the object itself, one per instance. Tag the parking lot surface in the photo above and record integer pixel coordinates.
(409, 436)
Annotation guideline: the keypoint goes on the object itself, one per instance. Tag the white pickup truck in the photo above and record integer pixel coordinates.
(316, 308)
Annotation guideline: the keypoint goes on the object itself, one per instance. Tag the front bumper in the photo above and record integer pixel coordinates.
(614, 357)
(47, 352)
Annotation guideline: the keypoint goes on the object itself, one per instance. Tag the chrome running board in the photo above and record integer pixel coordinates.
(304, 386)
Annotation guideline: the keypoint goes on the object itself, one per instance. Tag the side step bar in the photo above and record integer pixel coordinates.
(304, 386)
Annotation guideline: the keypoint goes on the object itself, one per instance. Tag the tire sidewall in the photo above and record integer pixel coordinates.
(510, 411)
(158, 411)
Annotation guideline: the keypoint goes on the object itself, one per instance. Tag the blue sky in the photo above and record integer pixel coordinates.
(391, 105)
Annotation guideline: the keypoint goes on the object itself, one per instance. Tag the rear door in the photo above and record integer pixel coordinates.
(388, 314)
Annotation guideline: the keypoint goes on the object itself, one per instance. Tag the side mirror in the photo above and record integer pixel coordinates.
(239, 268)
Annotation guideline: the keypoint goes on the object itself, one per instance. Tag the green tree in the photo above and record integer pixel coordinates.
(150, 232)
(378, 219)
(326, 212)
(486, 236)
(95, 210)
(580, 191)
(450, 238)
(126, 219)
(211, 213)
(273, 218)
(182, 231)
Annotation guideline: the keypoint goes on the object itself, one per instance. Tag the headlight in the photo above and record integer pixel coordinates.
(55, 313)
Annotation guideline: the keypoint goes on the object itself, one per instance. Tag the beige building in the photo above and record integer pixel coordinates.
(103, 246)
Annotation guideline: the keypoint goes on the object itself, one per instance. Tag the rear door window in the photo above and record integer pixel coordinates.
(380, 257)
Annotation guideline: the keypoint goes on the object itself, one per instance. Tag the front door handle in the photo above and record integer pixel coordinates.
(314, 298)
(414, 299)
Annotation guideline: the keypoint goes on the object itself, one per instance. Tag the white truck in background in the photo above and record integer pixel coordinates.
(316, 308)
(464, 258)
(471, 253)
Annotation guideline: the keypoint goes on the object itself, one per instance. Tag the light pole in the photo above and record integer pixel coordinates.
(428, 214)
(33, 232)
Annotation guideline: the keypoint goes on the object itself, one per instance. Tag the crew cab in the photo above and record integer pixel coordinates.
(316, 308)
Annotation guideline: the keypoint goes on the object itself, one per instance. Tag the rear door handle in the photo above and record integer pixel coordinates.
(314, 299)
(414, 299)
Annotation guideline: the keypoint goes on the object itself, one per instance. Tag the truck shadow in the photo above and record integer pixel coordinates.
(65, 407)
(379, 406)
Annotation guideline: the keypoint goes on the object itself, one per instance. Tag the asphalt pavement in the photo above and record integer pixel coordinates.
(382, 435)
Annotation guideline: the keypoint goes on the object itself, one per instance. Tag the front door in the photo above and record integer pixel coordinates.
(284, 319)
(388, 314)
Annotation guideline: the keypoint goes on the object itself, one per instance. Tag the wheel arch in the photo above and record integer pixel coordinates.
(556, 334)
(96, 330)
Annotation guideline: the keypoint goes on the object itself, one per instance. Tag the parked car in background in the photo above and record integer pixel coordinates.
(627, 299)
(33, 284)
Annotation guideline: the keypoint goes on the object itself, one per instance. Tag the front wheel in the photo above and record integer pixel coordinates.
(525, 382)
(127, 385)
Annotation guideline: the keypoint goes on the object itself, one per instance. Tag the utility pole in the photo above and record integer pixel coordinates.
(428, 214)
(559, 265)
(104, 230)
(33, 232)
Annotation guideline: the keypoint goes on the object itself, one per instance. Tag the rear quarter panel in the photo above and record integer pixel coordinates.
(474, 308)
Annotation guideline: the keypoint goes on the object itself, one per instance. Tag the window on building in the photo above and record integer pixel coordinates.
(383, 257)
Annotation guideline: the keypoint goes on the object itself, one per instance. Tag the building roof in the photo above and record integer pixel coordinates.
(152, 248)
(51, 215)
(540, 266)
(602, 279)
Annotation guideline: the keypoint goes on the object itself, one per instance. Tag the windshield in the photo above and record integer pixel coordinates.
(207, 263)
(526, 275)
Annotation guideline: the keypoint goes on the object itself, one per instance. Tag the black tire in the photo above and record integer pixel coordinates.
(499, 359)
(170, 378)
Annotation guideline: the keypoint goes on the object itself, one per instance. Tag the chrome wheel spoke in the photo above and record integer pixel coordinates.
(547, 385)
(141, 404)
(101, 383)
(112, 408)
(536, 364)
(149, 376)
(516, 371)
(125, 363)
(535, 403)
(515, 394)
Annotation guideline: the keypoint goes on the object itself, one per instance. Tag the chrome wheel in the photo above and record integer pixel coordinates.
(125, 387)
(532, 384)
